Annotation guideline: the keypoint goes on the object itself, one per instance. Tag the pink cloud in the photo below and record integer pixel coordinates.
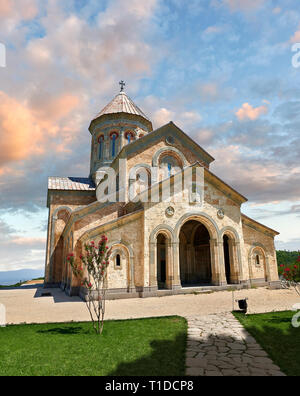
(25, 130)
(244, 5)
(296, 37)
(247, 112)
(19, 10)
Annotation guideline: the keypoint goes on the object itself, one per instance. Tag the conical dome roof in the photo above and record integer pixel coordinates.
(122, 104)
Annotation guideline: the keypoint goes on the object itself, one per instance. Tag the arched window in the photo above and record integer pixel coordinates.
(171, 164)
(129, 136)
(101, 146)
(118, 260)
(257, 260)
(114, 136)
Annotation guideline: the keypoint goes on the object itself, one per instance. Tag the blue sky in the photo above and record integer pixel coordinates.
(220, 69)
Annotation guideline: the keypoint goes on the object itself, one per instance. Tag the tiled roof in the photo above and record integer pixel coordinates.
(122, 104)
(71, 183)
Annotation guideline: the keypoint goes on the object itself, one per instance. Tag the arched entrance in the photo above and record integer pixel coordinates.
(195, 254)
(227, 258)
(161, 261)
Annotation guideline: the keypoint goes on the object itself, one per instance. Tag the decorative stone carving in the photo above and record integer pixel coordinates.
(221, 214)
(170, 211)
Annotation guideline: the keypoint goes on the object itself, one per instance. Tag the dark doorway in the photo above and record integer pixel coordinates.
(195, 255)
(161, 262)
(227, 258)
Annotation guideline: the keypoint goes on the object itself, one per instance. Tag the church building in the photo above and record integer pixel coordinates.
(163, 246)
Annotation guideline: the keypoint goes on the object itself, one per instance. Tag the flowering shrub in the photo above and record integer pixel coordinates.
(95, 261)
(291, 275)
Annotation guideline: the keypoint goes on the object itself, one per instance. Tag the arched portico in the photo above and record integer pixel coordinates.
(205, 252)
(195, 255)
(161, 271)
(59, 220)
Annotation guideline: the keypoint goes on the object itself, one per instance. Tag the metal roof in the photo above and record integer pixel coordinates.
(122, 104)
(71, 183)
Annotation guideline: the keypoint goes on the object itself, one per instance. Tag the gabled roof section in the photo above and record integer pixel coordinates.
(258, 226)
(227, 190)
(169, 129)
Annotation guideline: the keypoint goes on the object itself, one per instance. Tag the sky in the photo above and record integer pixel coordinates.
(221, 70)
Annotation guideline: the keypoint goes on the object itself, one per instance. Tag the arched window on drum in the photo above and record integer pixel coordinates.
(114, 137)
(100, 147)
(129, 136)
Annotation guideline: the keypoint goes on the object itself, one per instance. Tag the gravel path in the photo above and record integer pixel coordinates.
(25, 305)
(218, 345)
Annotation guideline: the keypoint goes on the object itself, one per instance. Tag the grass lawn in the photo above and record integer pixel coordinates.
(153, 346)
(275, 333)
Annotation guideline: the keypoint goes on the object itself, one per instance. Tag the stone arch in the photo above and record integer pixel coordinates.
(130, 132)
(202, 217)
(57, 244)
(171, 150)
(260, 249)
(167, 232)
(162, 229)
(216, 245)
(232, 254)
(126, 249)
(230, 231)
(133, 174)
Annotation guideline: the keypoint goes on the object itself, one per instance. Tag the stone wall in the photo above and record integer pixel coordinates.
(262, 244)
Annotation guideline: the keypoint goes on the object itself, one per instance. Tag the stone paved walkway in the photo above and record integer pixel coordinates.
(218, 345)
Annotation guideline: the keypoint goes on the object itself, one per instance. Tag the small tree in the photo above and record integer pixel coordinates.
(96, 262)
(291, 275)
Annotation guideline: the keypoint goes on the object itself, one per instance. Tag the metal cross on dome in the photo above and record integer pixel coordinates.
(122, 83)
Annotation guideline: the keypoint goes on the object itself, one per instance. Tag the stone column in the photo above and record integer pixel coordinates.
(217, 263)
(169, 266)
(153, 266)
(223, 280)
(176, 266)
(235, 273)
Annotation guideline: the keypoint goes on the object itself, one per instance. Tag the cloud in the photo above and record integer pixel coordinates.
(244, 5)
(162, 116)
(296, 37)
(260, 180)
(212, 31)
(247, 112)
(291, 245)
(277, 10)
(18, 252)
(25, 128)
(19, 10)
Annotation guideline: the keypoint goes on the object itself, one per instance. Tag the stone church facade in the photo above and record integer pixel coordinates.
(162, 247)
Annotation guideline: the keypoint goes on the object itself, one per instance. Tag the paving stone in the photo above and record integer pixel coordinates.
(218, 345)
(195, 371)
(230, 373)
(213, 374)
(192, 362)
